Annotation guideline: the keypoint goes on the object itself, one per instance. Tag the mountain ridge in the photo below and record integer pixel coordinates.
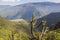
(52, 18)
(25, 10)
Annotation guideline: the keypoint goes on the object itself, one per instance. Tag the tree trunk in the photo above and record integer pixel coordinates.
(43, 30)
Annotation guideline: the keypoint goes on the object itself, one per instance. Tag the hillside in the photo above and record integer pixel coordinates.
(25, 10)
(12, 30)
(52, 18)
(9, 28)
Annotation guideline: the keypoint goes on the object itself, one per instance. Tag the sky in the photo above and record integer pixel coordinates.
(16, 2)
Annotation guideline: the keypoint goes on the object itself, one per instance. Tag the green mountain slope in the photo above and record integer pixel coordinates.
(12, 30)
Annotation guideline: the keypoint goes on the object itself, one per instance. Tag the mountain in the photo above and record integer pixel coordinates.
(52, 18)
(25, 11)
(2, 7)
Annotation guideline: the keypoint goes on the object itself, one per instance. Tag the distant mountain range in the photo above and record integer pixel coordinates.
(25, 11)
(2, 7)
(52, 18)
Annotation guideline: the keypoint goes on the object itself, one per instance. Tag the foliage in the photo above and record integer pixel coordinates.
(10, 29)
(22, 30)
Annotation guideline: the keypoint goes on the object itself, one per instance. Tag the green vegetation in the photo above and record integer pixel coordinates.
(24, 30)
(12, 30)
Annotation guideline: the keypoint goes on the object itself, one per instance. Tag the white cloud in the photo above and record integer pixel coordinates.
(10, 0)
(57, 1)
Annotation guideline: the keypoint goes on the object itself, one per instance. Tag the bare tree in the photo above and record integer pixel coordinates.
(33, 21)
(43, 24)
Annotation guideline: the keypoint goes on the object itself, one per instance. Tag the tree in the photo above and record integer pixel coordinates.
(43, 24)
(44, 30)
(33, 21)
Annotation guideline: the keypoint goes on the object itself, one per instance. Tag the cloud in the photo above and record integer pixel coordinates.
(30, 0)
(10, 0)
(57, 1)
